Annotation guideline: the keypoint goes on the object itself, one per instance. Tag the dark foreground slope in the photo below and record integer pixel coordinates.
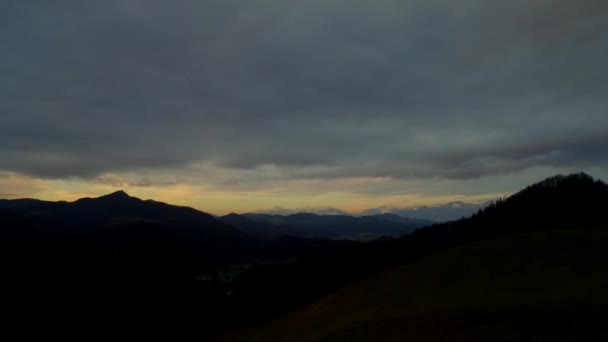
(559, 202)
(550, 285)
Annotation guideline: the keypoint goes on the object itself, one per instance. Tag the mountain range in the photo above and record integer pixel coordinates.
(326, 226)
(120, 209)
(305, 210)
(121, 266)
(437, 213)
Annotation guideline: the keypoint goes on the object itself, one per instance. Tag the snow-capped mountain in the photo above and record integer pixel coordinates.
(438, 213)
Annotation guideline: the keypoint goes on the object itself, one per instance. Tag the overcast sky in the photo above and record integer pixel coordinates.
(231, 105)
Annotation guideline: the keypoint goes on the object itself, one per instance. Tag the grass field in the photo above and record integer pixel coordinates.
(542, 286)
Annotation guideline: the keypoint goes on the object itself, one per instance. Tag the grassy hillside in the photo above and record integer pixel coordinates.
(550, 285)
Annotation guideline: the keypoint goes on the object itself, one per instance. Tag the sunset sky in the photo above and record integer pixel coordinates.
(228, 105)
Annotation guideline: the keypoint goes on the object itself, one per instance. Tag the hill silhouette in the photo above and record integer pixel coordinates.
(137, 227)
(129, 266)
(113, 266)
(556, 202)
(108, 209)
(561, 202)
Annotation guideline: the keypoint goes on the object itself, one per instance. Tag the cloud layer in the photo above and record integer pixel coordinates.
(320, 89)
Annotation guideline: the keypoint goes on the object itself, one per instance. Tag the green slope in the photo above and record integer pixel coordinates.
(541, 286)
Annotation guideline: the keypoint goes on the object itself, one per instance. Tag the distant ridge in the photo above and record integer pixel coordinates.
(324, 226)
(306, 210)
(437, 213)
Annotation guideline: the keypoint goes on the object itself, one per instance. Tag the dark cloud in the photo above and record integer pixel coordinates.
(348, 88)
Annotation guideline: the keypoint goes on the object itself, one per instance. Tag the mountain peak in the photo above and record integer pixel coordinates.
(118, 195)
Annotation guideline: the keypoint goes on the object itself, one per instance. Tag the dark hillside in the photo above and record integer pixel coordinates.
(533, 287)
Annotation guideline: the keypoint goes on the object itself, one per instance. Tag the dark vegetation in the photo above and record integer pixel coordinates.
(548, 285)
(119, 266)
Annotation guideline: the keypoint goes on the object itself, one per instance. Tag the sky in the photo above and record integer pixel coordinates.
(229, 105)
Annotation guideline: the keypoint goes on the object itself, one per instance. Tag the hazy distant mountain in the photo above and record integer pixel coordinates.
(305, 210)
(438, 213)
(324, 226)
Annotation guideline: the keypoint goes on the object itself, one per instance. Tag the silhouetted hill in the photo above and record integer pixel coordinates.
(125, 218)
(556, 202)
(127, 265)
(110, 257)
(152, 236)
(563, 202)
(93, 212)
